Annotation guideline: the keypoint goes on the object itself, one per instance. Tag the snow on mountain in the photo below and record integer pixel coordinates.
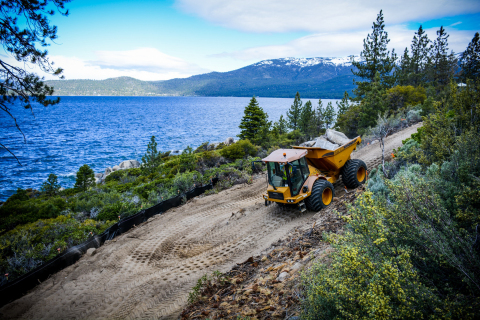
(308, 62)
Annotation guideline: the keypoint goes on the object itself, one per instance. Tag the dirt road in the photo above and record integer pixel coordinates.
(148, 272)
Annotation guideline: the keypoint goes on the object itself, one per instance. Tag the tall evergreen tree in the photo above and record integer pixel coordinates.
(293, 114)
(372, 105)
(51, 186)
(319, 114)
(470, 60)
(329, 115)
(343, 105)
(152, 157)
(420, 58)
(280, 126)
(307, 120)
(253, 121)
(85, 178)
(443, 64)
(375, 58)
(403, 70)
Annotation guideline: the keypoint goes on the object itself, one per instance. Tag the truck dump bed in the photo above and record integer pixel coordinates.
(330, 160)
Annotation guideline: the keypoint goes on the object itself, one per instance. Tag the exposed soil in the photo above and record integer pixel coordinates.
(148, 272)
(267, 286)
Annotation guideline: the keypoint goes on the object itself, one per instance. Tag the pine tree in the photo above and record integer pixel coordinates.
(280, 126)
(152, 157)
(51, 186)
(85, 178)
(470, 60)
(307, 120)
(372, 105)
(443, 64)
(375, 58)
(293, 114)
(403, 70)
(420, 58)
(343, 105)
(319, 117)
(329, 115)
(253, 122)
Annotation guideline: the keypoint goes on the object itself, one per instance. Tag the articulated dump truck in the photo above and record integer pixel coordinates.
(304, 176)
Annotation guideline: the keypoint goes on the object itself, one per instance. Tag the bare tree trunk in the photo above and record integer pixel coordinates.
(382, 143)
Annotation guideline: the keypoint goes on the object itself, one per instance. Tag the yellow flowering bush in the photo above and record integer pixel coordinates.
(401, 257)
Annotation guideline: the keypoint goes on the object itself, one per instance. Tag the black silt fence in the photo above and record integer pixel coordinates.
(18, 287)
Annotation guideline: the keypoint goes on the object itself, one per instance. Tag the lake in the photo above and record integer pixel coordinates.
(104, 131)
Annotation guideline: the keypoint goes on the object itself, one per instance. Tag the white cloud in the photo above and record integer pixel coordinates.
(143, 64)
(339, 44)
(319, 16)
(148, 60)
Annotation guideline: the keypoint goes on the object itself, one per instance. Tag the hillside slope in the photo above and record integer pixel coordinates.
(313, 77)
(149, 271)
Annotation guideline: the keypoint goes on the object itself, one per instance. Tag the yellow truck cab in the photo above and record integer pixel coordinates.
(305, 175)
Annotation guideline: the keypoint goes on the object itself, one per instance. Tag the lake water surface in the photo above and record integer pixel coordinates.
(104, 131)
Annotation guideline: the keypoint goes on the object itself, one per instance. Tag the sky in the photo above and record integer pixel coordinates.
(161, 40)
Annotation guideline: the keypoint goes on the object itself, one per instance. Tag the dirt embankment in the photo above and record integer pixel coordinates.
(148, 272)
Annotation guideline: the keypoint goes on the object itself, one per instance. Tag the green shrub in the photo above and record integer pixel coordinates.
(376, 182)
(115, 176)
(202, 147)
(239, 150)
(20, 195)
(209, 159)
(69, 192)
(17, 212)
(29, 245)
(402, 257)
(185, 181)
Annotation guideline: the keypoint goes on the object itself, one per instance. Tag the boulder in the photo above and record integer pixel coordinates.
(282, 276)
(297, 266)
(337, 137)
(115, 168)
(325, 144)
(91, 251)
(308, 144)
(98, 175)
(108, 171)
(129, 164)
(229, 141)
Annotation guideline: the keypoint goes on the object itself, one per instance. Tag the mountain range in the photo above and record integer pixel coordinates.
(326, 78)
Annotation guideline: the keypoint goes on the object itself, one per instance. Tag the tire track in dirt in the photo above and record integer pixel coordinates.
(148, 272)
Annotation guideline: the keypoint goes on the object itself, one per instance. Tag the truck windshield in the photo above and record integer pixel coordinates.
(299, 174)
(297, 171)
(276, 174)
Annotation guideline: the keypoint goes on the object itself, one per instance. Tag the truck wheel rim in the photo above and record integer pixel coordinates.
(361, 174)
(327, 196)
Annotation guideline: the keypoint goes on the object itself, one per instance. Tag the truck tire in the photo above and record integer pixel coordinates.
(321, 196)
(354, 173)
